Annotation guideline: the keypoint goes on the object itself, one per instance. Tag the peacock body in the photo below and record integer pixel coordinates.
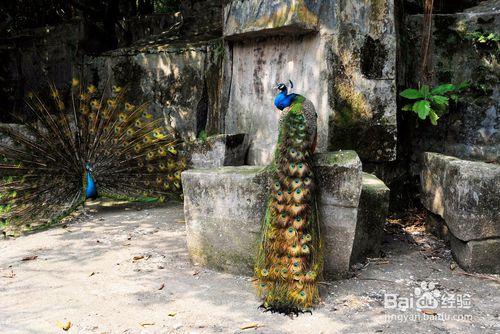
(290, 260)
(81, 146)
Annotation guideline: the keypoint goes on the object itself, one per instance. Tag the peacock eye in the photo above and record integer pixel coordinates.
(300, 165)
(292, 165)
(298, 219)
(297, 180)
(283, 215)
(280, 193)
(298, 191)
(290, 230)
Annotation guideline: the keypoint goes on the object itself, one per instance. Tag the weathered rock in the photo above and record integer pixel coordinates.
(372, 213)
(470, 129)
(338, 175)
(174, 79)
(218, 151)
(432, 181)
(245, 18)
(346, 70)
(464, 193)
(224, 208)
(481, 256)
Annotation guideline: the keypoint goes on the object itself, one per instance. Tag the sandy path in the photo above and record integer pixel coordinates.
(86, 273)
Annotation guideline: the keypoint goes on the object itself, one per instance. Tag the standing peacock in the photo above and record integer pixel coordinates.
(290, 259)
(81, 146)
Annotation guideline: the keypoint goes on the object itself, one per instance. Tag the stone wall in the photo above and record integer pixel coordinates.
(471, 129)
(340, 55)
(174, 79)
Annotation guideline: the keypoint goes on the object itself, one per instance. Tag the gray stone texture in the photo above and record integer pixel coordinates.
(338, 175)
(464, 193)
(481, 256)
(372, 213)
(174, 79)
(340, 55)
(218, 151)
(471, 129)
(224, 208)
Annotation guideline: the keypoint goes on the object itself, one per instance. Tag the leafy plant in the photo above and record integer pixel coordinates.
(432, 103)
(482, 38)
(203, 135)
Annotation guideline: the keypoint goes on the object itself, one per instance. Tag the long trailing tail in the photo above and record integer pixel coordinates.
(290, 258)
(42, 163)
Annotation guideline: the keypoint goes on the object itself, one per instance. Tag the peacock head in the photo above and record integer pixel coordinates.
(282, 87)
(88, 167)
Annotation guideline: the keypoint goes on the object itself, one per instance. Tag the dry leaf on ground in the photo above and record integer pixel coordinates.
(250, 326)
(64, 326)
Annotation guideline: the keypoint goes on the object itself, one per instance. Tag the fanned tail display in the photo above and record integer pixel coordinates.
(84, 145)
(290, 259)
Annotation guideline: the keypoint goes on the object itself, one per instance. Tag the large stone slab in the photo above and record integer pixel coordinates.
(218, 151)
(224, 208)
(177, 81)
(471, 129)
(246, 18)
(481, 256)
(338, 175)
(464, 193)
(346, 70)
(372, 213)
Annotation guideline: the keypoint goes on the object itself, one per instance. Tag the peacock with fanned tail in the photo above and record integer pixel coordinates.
(85, 145)
(290, 260)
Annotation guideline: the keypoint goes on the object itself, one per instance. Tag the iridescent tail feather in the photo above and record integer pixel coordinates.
(290, 260)
(132, 154)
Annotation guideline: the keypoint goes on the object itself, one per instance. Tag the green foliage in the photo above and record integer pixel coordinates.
(203, 135)
(433, 103)
(166, 6)
(482, 38)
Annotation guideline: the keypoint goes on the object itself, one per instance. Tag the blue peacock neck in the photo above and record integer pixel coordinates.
(90, 189)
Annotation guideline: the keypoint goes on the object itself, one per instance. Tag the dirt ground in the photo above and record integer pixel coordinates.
(126, 270)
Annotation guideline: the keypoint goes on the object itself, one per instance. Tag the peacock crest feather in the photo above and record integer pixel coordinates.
(290, 259)
(83, 145)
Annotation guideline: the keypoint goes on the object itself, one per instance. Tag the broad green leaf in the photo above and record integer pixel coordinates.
(442, 89)
(422, 108)
(433, 117)
(411, 94)
(424, 90)
(440, 100)
(407, 107)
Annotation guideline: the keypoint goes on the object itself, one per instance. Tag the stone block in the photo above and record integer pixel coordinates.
(218, 151)
(346, 70)
(481, 256)
(338, 175)
(470, 130)
(464, 193)
(372, 213)
(247, 18)
(224, 208)
(174, 79)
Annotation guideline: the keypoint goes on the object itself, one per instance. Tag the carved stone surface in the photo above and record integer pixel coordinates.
(339, 54)
(224, 209)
